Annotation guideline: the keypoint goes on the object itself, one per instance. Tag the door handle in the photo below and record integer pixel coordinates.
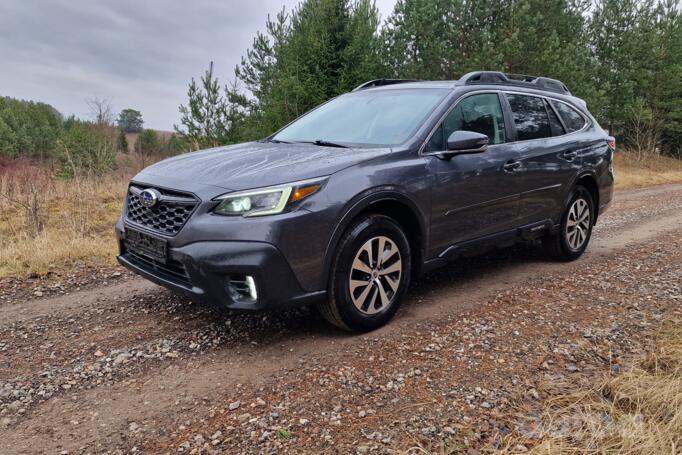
(511, 165)
(570, 155)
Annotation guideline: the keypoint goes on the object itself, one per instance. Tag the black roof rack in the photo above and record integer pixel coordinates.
(519, 80)
(381, 82)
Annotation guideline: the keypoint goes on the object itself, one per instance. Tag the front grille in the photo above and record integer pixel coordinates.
(172, 269)
(168, 216)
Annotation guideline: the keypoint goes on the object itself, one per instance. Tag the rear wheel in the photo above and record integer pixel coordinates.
(370, 275)
(574, 233)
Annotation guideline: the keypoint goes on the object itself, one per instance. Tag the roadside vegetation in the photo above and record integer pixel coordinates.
(49, 224)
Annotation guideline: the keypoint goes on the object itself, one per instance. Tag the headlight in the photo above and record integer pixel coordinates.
(266, 201)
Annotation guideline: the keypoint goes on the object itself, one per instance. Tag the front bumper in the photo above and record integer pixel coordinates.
(201, 270)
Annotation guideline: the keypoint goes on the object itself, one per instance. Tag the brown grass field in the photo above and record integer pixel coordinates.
(651, 170)
(49, 225)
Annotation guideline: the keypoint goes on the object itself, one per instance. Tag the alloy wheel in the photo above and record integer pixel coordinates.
(375, 275)
(578, 224)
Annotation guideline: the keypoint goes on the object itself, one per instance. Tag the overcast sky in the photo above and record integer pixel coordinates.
(139, 54)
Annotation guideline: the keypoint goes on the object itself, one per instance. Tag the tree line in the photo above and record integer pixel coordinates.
(37, 130)
(624, 57)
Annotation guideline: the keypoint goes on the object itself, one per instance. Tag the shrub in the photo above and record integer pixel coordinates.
(148, 143)
(177, 144)
(25, 187)
(86, 149)
(28, 129)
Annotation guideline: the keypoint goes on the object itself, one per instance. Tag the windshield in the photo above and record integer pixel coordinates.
(381, 117)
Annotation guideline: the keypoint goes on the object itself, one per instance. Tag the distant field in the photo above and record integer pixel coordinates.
(78, 216)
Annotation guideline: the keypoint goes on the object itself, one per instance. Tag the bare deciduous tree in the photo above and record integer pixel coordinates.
(101, 110)
(644, 131)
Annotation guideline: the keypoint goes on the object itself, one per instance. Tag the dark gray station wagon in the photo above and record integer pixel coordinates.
(350, 202)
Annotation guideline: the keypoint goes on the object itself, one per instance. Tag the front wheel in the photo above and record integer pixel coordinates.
(370, 275)
(570, 241)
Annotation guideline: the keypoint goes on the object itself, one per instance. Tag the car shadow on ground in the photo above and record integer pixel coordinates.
(239, 328)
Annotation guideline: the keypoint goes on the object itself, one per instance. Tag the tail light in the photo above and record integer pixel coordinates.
(612, 143)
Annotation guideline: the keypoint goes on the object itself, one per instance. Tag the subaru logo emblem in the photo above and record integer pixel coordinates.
(149, 197)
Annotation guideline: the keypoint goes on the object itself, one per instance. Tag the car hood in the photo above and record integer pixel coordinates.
(253, 165)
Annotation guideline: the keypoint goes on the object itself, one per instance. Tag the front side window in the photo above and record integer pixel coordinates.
(573, 120)
(478, 113)
(530, 117)
(372, 117)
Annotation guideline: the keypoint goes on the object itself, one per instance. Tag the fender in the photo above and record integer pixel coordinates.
(584, 172)
(365, 200)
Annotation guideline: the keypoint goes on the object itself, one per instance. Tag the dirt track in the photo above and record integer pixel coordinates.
(132, 366)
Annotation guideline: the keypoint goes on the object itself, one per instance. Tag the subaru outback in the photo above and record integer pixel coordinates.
(349, 203)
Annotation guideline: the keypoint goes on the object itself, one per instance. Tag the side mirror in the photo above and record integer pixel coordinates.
(467, 142)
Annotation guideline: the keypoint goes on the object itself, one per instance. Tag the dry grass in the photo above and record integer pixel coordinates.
(73, 220)
(78, 227)
(638, 412)
(651, 170)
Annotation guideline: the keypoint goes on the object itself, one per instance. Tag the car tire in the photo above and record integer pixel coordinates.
(575, 230)
(365, 287)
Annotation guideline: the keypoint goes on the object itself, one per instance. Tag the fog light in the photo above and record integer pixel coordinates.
(242, 288)
(251, 283)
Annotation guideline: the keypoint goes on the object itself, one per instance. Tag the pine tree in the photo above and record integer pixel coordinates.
(320, 50)
(614, 40)
(212, 115)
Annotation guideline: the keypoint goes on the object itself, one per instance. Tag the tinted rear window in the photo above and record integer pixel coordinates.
(557, 127)
(572, 119)
(530, 117)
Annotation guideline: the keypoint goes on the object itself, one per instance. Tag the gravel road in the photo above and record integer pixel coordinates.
(118, 365)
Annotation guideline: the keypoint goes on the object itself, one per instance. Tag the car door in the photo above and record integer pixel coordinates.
(548, 159)
(473, 195)
(588, 149)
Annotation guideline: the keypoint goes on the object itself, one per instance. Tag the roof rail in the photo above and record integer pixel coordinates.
(519, 80)
(381, 82)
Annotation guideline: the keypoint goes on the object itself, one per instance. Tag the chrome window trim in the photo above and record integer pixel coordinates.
(588, 122)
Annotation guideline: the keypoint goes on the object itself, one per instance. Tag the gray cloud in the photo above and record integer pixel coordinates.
(138, 54)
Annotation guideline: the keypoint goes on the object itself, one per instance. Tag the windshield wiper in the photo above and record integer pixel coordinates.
(324, 143)
(276, 141)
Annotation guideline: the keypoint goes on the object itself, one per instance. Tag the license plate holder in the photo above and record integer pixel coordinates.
(147, 245)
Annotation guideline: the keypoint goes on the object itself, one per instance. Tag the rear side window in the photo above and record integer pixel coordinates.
(478, 113)
(554, 122)
(530, 117)
(572, 119)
